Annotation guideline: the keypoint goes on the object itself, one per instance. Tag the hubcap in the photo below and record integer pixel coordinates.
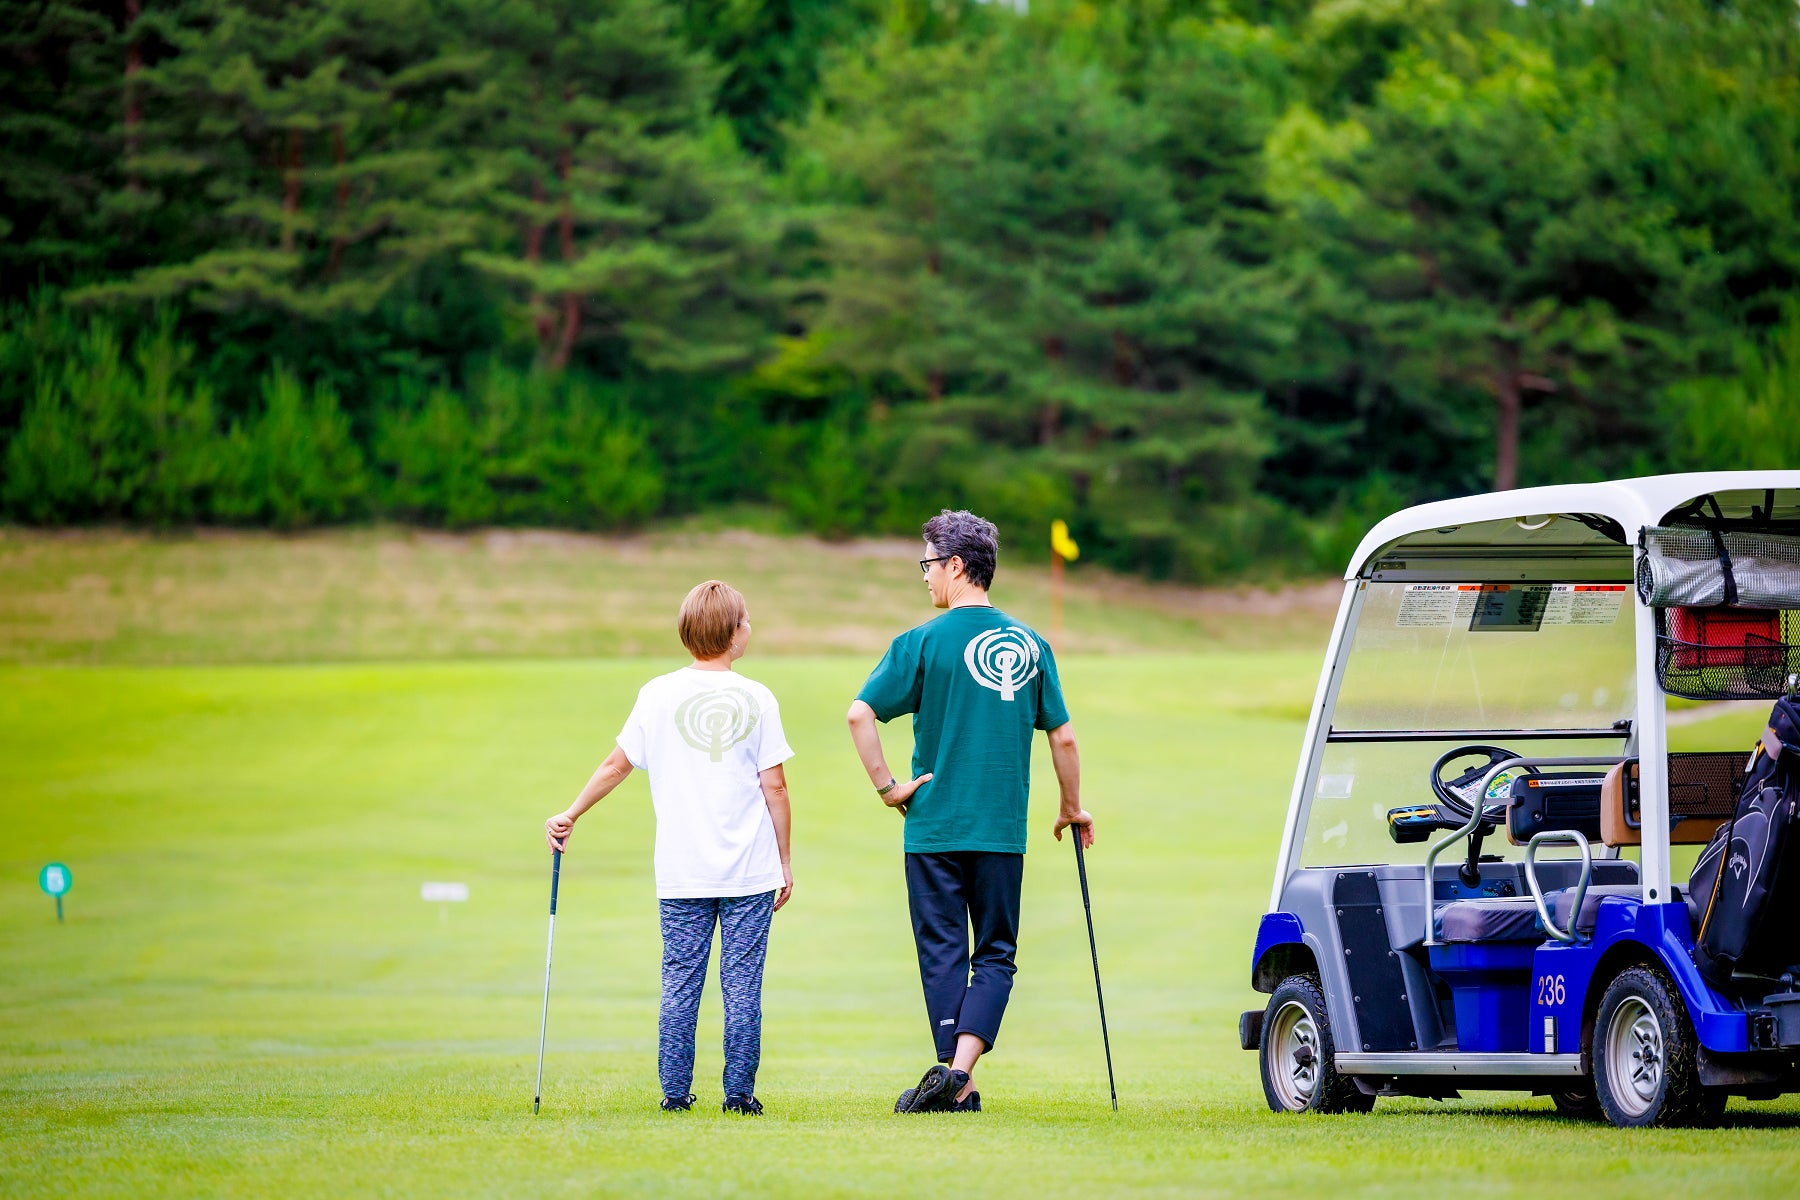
(1294, 1056)
(1634, 1056)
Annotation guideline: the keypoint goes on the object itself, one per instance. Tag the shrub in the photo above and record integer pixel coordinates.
(111, 433)
(1749, 420)
(530, 448)
(295, 463)
(435, 473)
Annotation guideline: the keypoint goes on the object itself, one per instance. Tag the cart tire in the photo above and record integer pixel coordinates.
(1578, 1105)
(1644, 1056)
(1298, 1054)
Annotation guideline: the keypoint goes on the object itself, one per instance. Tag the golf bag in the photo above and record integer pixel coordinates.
(1746, 891)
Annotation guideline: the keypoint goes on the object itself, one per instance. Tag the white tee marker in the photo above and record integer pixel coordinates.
(445, 894)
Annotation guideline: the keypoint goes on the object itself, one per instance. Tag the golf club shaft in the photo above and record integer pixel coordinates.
(549, 949)
(1088, 908)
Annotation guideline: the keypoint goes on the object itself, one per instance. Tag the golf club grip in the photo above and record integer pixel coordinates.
(555, 877)
(1081, 866)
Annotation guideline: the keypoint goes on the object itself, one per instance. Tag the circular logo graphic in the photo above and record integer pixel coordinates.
(55, 879)
(1003, 659)
(715, 721)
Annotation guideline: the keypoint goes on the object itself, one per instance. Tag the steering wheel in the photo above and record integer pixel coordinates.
(1456, 797)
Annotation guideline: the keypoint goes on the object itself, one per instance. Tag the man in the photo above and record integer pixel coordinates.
(978, 683)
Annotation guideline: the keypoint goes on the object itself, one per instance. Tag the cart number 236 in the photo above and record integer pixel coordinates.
(1550, 990)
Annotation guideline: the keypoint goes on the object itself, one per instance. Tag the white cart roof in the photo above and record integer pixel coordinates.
(1541, 523)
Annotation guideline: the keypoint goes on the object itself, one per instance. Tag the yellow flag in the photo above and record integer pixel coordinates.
(1061, 544)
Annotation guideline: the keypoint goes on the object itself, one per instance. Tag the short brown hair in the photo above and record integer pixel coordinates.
(709, 618)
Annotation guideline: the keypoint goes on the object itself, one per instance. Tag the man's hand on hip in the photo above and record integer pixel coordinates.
(1082, 818)
(903, 792)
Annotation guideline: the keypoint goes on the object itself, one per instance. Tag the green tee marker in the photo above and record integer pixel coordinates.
(55, 879)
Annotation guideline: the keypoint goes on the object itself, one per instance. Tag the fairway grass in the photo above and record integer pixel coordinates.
(250, 998)
(116, 597)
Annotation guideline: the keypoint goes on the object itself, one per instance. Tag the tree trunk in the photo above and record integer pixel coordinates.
(934, 382)
(571, 321)
(566, 222)
(290, 196)
(338, 240)
(1048, 419)
(541, 320)
(134, 113)
(571, 303)
(1509, 401)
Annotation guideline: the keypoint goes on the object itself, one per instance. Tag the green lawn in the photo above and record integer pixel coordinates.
(249, 996)
(107, 597)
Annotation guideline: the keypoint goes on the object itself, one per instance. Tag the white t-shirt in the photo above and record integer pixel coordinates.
(704, 736)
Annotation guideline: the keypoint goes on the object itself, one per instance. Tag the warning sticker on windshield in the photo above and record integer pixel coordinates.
(1584, 603)
(1428, 604)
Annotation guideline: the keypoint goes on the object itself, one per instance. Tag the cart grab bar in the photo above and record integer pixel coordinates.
(1478, 807)
(1575, 837)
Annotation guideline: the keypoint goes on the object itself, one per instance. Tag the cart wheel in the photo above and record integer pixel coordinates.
(1644, 1048)
(1297, 1056)
(1577, 1105)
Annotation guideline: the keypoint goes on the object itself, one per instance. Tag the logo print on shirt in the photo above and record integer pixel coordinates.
(715, 721)
(1003, 659)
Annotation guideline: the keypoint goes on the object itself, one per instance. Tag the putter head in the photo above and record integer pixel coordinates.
(534, 1104)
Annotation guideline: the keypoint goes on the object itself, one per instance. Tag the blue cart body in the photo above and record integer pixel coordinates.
(1519, 997)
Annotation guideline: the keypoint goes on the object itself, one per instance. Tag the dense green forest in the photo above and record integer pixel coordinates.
(1219, 281)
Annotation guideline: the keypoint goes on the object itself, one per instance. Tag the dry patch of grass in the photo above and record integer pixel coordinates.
(110, 596)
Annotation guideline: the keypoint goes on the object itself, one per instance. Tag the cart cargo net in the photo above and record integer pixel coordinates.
(1727, 610)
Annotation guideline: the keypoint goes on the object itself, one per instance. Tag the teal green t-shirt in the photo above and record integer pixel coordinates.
(977, 683)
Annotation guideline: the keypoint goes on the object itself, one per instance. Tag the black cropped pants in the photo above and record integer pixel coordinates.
(965, 918)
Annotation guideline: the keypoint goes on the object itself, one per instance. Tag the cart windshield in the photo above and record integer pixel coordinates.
(1541, 669)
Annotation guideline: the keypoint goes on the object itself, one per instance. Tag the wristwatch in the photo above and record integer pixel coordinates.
(892, 783)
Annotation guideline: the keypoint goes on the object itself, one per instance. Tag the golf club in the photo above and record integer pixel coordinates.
(550, 947)
(1081, 868)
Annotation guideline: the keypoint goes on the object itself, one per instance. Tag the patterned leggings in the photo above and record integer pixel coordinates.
(687, 929)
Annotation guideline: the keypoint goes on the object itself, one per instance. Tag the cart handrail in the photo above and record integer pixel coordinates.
(1576, 837)
(1478, 808)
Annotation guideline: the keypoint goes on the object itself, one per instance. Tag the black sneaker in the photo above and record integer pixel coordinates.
(929, 1088)
(969, 1103)
(750, 1106)
(678, 1103)
(937, 1090)
(904, 1103)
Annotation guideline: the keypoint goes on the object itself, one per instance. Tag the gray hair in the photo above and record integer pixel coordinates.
(966, 536)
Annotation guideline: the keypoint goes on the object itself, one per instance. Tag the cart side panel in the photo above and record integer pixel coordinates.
(1567, 980)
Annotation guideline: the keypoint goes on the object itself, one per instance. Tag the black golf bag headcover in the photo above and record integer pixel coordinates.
(1747, 892)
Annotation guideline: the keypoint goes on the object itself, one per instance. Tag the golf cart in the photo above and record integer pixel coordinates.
(1474, 888)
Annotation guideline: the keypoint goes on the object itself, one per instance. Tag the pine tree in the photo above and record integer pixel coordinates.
(888, 114)
(1493, 254)
(623, 215)
(1011, 249)
(304, 128)
(55, 81)
(1098, 323)
(770, 52)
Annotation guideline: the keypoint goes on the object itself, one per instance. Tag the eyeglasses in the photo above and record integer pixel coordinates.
(925, 563)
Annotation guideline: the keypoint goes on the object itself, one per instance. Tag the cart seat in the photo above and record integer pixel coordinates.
(1495, 919)
(1515, 919)
(1560, 902)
